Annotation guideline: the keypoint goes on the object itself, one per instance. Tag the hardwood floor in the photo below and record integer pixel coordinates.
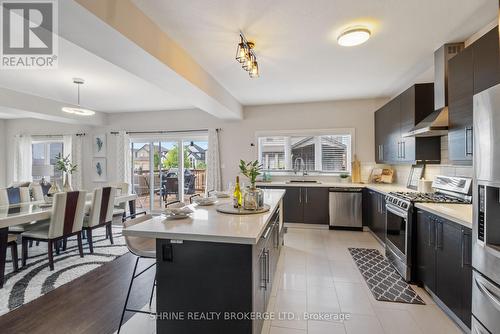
(89, 304)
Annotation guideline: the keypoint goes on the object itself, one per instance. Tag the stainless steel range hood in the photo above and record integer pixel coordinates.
(436, 124)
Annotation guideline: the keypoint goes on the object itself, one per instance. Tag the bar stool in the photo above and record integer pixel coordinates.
(142, 248)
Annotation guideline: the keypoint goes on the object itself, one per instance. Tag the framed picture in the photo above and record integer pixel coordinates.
(100, 145)
(416, 173)
(99, 170)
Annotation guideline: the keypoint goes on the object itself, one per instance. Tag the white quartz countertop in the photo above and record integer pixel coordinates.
(458, 213)
(382, 188)
(206, 224)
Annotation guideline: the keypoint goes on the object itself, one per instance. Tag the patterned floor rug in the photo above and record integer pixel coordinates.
(383, 280)
(36, 279)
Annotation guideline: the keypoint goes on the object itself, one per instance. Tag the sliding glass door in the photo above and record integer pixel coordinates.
(168, 169)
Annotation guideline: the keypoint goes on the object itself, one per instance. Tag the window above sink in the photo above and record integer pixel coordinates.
(306, 152)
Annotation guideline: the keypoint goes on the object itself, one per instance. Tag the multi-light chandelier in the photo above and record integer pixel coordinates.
(245, 55)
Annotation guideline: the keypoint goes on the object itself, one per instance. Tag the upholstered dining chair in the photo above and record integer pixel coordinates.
(100, 214)
(14, 195)
(66, 220)
(37, 192)
(142, 248)
(122, 189)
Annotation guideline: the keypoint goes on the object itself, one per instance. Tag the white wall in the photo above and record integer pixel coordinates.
(238, 136)
(40, 127)
(2, 153)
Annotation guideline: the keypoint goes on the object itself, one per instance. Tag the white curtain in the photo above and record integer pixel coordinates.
(73, 146)
(123, 159)
(22, 158)
(214, 180)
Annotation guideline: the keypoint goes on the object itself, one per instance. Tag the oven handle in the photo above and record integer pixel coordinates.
(397, 211)
(492, 296)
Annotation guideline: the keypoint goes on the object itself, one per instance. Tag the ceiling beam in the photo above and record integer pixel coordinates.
(122, 34)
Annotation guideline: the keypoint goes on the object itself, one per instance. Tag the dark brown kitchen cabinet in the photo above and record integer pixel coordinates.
(306, 205)
(398, 117)
(444, 262)
(460, 109)
(316, 202)
(426, 259)
(374, 213)
(293, 209)
(473, 70)
(486, 61)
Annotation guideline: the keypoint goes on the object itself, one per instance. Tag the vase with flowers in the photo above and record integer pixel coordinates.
(64, 165)
(253, 197)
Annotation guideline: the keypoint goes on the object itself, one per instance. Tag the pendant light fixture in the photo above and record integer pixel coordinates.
(245, 55)
(78, 110)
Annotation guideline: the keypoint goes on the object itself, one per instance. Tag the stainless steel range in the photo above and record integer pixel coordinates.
(400, 219)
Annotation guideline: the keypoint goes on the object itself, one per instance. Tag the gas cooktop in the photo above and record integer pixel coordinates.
(429, 197)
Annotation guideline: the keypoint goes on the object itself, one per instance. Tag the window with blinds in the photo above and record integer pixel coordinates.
(323, 153)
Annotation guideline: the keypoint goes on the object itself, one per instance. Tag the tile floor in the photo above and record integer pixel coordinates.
(316, 274)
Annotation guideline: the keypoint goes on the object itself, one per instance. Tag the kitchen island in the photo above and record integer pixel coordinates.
(215, 270)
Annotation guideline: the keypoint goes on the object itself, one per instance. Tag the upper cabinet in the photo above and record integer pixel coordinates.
(471, 71)
(398, 117)
(486, 61)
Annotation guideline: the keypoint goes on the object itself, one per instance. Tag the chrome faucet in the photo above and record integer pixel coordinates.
(301, 164)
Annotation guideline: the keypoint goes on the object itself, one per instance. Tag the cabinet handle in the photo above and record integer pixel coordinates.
(168, 253)
(300, 195)
(403, 145)
(439, 234)
(263, 270)
(468, 132)
(429, 227)
(268, 276)
(307, 195)
(399, 149)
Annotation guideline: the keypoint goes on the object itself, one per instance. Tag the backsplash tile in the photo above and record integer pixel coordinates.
(431, 171)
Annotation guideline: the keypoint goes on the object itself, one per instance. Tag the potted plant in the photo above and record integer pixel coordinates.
(344, 177)
(65, 165)
(253, 198)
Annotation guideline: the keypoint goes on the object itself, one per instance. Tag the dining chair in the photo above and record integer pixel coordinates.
(66, 220)
(121, 190)
(14, 195)
(37, 192)
(100, 214)
(142, 248)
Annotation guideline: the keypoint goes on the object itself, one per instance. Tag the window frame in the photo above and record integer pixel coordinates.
(47, 142)
(307, 133)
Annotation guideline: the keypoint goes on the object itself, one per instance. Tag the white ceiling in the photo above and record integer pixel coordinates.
(107, 87)
(295, 42)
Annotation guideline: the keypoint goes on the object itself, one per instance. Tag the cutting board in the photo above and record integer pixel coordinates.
(356, 171)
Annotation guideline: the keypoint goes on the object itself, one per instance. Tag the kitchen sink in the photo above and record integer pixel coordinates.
(303, 181)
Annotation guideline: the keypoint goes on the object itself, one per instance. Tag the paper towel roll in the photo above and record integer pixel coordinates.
(424, 186)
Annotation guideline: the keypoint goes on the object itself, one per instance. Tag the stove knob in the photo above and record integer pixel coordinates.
(405, 205)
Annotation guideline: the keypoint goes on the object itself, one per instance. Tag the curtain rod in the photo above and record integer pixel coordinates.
(61, 135)
(164, 132)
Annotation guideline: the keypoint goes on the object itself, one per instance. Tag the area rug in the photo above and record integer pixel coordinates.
(36, 279)
(384, 281)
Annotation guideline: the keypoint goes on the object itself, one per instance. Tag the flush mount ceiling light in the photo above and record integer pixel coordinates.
(245, 55)
(78, 110)
(354, 36)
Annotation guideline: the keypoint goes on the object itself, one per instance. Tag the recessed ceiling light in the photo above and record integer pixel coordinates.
(78, 110)
(354, 36)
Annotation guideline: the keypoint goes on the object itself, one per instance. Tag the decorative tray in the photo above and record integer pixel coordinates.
(229, 208)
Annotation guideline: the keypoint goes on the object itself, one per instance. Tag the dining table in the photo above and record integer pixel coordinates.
(22, 213)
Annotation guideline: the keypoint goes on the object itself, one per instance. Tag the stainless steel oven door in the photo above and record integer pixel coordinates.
(396, 227)
(397, 239)
(486, 302)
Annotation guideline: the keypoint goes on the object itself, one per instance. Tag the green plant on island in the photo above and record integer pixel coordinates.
(64, 164)
(251, 170)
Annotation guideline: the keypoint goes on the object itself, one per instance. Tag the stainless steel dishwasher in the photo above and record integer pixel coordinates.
(346, 208)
